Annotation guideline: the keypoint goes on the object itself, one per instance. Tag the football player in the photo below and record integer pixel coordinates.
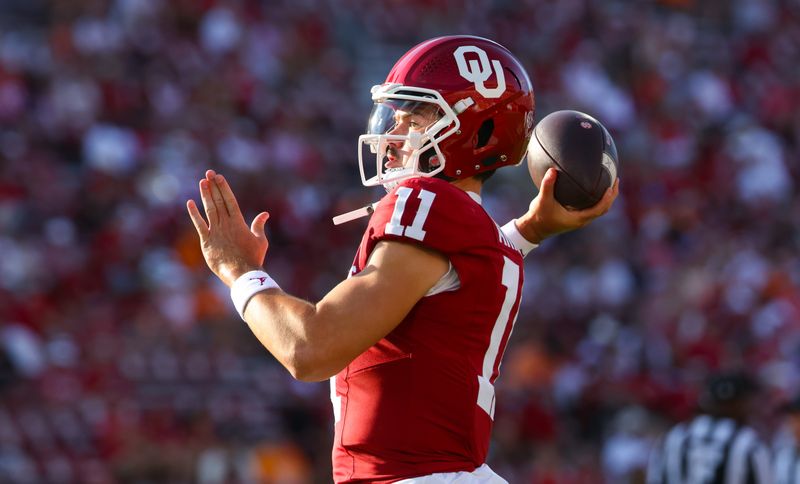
(412, 340)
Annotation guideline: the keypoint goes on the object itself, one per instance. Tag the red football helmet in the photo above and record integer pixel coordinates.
(477, 104)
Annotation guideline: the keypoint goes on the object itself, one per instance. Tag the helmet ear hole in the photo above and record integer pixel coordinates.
(484, 133)
(428, 161)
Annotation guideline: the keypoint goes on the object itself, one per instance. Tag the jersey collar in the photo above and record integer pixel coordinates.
(475, 197)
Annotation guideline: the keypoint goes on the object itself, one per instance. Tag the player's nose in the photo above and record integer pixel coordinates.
(398, 129)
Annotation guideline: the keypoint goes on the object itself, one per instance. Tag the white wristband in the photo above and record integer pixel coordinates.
(511, 232)
(248, 285)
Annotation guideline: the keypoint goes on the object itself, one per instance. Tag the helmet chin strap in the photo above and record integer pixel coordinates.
(390, 185)
(354, 214)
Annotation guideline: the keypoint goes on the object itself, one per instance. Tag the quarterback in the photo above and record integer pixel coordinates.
(412, 339)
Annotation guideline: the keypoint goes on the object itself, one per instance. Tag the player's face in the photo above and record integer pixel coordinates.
(407, 122)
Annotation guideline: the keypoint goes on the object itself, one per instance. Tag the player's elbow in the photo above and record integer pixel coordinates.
(298, 373)
(302, 371)
(307, 365)
(298, 364)
(308, 375)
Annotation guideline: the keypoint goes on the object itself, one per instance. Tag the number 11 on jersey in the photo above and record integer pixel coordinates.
(414, 230)
(493, 354)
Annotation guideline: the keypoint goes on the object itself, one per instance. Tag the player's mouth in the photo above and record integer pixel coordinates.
(393, 158)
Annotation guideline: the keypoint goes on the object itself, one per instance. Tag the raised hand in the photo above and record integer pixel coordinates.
(546, 217)
(230, 247)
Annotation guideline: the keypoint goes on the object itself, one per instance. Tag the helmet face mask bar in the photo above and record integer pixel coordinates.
(422, 156)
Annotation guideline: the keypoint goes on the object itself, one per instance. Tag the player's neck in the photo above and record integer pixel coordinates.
(470, 184)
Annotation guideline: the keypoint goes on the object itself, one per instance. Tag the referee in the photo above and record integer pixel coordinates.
(787, 455)
(716, 446)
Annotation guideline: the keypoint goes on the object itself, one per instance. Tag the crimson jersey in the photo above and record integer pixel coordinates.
(421, 400)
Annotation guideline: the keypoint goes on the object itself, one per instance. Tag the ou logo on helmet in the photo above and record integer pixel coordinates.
(478, 71)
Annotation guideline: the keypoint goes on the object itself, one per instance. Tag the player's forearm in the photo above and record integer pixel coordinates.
(296, 333)
(315, 341)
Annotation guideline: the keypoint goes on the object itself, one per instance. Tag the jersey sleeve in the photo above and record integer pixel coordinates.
(431, 213)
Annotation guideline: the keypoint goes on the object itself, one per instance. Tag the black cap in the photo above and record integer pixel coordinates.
(725, 388)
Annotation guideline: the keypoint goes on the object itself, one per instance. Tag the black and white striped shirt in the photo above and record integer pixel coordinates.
(787, 465)
(708, 450)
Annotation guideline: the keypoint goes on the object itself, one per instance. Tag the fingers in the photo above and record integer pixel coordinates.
(229, 199)
(548, 184)
(197, 220)
(549, 181)
(604, 205)
(609, 196)
(216, 193)
(583, 217)
(257, 227)
(220, 202)
(222, 194)
(212, 213)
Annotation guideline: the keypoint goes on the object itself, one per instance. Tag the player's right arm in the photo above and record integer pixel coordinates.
(546, 217)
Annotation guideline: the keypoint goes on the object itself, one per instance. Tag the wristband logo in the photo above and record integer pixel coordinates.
(261, 280)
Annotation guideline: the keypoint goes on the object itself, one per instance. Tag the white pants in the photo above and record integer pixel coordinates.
(481, 475)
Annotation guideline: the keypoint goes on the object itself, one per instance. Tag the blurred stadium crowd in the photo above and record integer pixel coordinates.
(121, 358)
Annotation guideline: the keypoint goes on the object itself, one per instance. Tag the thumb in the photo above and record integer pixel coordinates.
(257, 227)
(548, 183)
